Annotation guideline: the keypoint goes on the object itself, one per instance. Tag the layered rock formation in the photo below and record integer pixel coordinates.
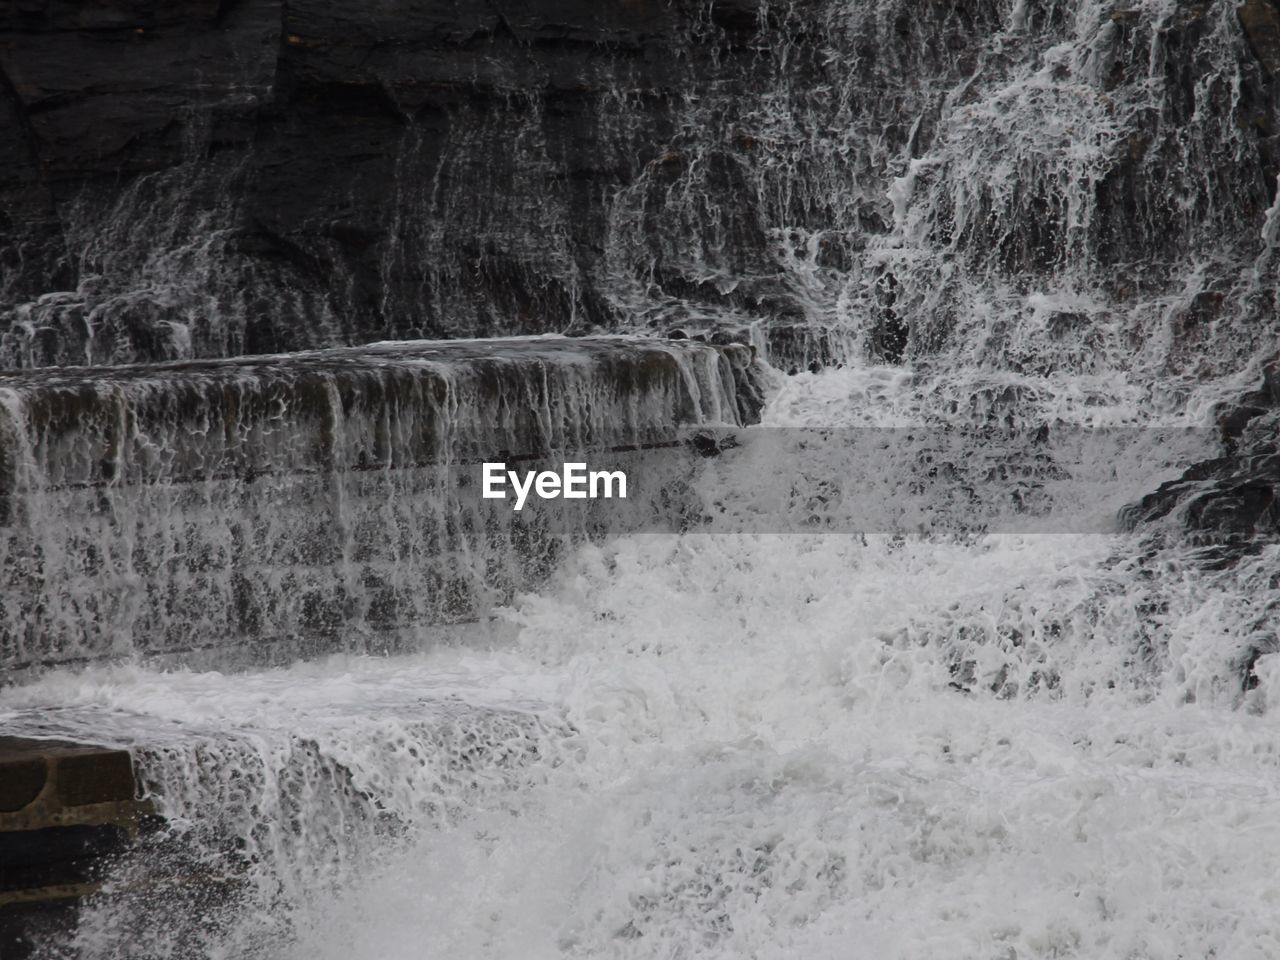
(234, 177)
(208, 178)
(1049, 189)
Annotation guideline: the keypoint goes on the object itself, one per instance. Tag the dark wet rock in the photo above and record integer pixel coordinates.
(67, 814)
(1250, 422)
(1233, 499)
(1241, 502)
(259, 177)
(217, 178)
(889, 331)
(1253, 652)
(1261, 22)
(706, 443)
(724, 337)
(805, 346)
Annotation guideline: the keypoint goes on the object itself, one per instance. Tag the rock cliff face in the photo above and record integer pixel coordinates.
(253, 175)
(217, 177)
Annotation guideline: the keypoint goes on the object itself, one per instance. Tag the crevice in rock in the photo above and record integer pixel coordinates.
(21, 116)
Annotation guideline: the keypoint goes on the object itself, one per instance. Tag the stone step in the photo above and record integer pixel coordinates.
(383, 405)
(66, 810)
(268, 508)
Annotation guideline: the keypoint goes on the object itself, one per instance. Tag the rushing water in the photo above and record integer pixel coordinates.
(933, 735)
(740, 744)
(265, 507)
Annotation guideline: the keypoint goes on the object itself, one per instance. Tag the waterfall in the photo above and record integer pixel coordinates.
(939, 342)
(1041, 186)
(264, 507)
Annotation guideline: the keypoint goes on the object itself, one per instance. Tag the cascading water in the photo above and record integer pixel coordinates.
(314, 501)
(1038, 240)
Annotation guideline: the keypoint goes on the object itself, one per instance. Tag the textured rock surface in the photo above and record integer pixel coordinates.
(314, 172)
(67, 812)
(206, 178)
(1231, 501)
(63, 807)
(1261, 22)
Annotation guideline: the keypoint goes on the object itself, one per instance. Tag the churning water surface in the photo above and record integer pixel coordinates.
(729, 744)
(922, 739)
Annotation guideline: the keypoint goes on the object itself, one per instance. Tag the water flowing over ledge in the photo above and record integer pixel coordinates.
(1005, 223)
(1050, 185)
(269, 506)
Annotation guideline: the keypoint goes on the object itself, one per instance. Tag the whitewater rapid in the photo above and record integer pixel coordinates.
(728, 744)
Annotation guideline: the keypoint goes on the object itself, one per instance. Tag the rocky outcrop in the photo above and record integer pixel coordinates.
(1231, 502)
